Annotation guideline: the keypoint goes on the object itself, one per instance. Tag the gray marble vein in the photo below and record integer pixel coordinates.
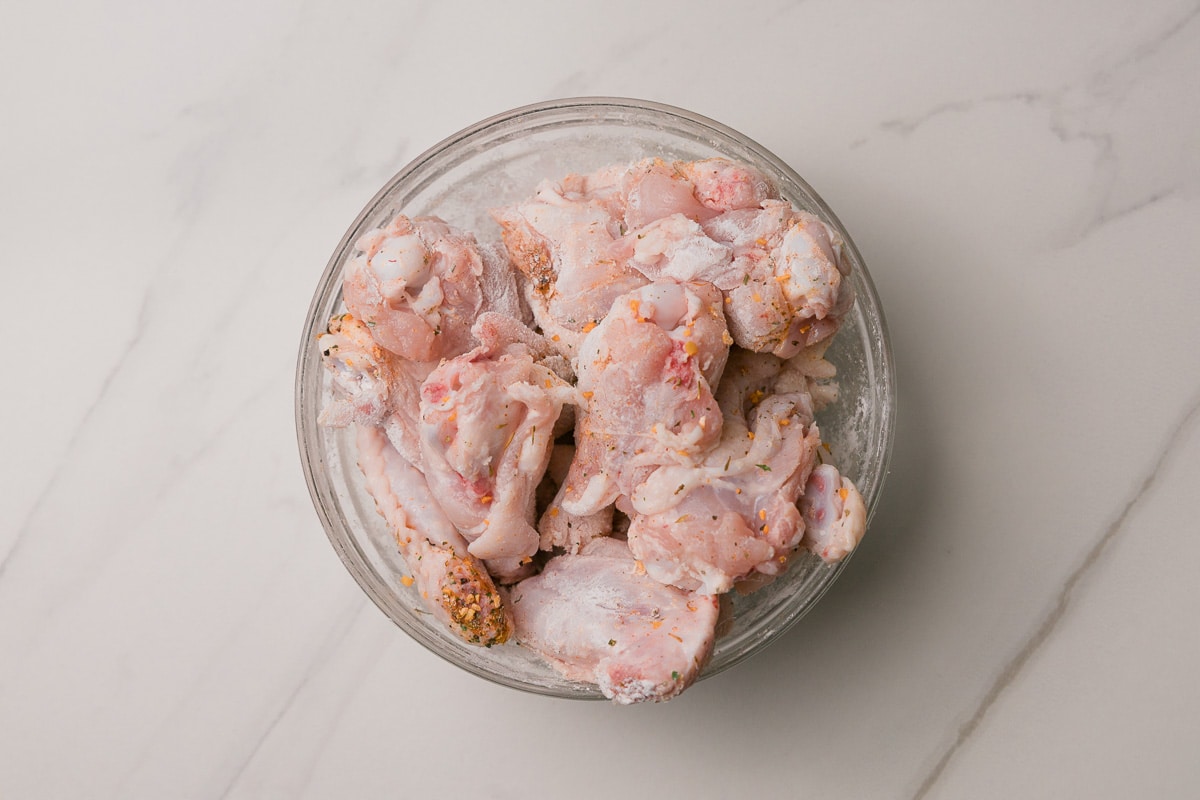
(1013, 668)
(1109, 216)
(347, 689)
(85, 420)
(1081, 111)
(1146, 49)
(1054, 97)
(334, 638)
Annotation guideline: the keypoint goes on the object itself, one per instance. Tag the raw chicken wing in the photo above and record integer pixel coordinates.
(562, 240)
(784, 283)
(371, 385)
(417, 286)
(453, 583)
(654, 189)
(362, 373)
(486, 422)
(598, 617)
(645, 374)
(706, 527)
(725, 186)
(697, 190)
(780, 269)
(677, 248)
(835, 515)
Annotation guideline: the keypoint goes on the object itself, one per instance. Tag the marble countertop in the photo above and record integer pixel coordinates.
(1024, 182)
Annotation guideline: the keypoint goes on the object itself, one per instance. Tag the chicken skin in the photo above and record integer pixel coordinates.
(598, 617)
(785, 282)
(574, 238)
(562, 242)
(835, 515)
(454, 585)
(706, 527)
(780, 270)
(416, 284)
(560, 528)
(486, 423)
(371, 385)
(645, 374)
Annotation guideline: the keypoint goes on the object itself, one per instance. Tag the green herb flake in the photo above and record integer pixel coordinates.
(763, 467)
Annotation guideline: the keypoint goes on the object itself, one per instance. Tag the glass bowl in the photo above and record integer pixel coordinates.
(499, 161)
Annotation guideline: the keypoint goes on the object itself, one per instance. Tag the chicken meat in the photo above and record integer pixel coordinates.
(453, 584)
(416, 284)
(562, 241)
(486, 423)
(785, 283)
(597, 616)
(781, 271)
(558, 527)
(371, 385)
(835, 515)
(574, 238)
(645, 375)
(706, 527)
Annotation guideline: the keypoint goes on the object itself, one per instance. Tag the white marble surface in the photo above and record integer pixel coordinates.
(1024, 182)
